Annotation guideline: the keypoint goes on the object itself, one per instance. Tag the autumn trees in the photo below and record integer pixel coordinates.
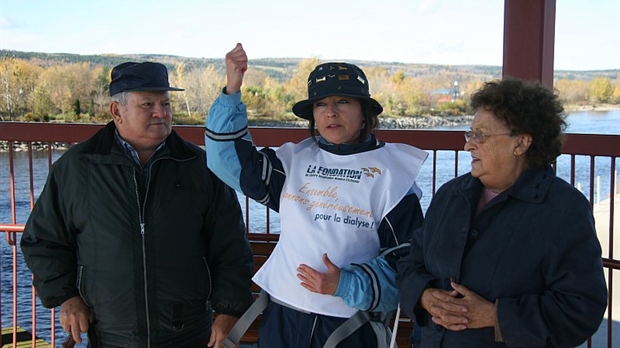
(31, 92)
(36, 90)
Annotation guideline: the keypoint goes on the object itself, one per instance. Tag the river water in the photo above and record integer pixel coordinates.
(588, 122)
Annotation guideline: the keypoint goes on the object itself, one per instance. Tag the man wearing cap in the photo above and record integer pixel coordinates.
(348, 205)
(133, 237)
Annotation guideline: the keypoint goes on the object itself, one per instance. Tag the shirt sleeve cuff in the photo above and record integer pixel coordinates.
(344, 283)
(230, 99)
(496, 328)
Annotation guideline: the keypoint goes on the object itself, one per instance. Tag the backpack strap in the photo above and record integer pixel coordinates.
(395, 328)
(246, 320)
(347, 328)
(343, 331)
(360, 318)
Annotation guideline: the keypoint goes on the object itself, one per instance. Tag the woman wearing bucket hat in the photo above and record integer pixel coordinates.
(348, 204)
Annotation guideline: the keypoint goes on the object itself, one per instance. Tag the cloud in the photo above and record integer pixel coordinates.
(6, 23)
(428, 5)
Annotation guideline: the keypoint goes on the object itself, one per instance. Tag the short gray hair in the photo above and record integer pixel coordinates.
(120, 97)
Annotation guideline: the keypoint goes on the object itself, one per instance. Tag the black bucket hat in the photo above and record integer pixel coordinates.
(329, 79)
(147, 76)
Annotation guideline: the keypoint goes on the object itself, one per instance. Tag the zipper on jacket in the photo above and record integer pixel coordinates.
(143, 244)
(142, 214)
(80, 284)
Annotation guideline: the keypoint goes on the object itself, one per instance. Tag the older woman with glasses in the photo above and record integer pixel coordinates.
(508, 254)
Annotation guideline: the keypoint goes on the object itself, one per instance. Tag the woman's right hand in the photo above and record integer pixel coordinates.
(319, 282)
(236, 66)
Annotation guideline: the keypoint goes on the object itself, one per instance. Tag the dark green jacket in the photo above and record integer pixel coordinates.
(148, 270)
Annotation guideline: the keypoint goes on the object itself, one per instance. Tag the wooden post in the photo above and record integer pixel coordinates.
(529, 37)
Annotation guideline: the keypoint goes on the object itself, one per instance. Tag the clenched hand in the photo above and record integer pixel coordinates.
(75, 317)
(236, 66)
(222, 325)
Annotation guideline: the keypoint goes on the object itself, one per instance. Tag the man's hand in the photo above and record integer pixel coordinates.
(75, 317)
(236, 66)
(315, 281)
(222, 325)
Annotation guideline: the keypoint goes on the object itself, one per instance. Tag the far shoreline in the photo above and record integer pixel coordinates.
(424, 122)
(591, 107)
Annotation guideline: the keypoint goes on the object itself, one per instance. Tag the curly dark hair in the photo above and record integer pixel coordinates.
(371, 121)
(527, 108)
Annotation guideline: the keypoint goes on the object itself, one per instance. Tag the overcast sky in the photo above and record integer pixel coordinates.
(453, 32)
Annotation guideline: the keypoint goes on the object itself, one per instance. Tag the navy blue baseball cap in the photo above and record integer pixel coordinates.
(147, 76)
(335, 79)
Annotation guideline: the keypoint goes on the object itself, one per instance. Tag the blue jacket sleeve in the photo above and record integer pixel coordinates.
(371, 286)
(232, 156)
(226, 122)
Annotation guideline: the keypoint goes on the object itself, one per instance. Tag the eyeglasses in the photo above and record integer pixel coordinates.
(480, 137)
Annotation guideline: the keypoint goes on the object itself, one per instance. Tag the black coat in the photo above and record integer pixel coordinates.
(533, 249)
(150, 261)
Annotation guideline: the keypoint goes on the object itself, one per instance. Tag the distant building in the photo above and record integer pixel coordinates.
(444, 95)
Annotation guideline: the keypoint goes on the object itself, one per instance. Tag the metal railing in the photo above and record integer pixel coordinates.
(588, 161)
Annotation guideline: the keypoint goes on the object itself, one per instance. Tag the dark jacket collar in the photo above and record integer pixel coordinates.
(531, 186)
(369, 144)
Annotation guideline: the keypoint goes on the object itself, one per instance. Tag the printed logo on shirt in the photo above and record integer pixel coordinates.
(371, 171)
(341, 174)
(323, 204)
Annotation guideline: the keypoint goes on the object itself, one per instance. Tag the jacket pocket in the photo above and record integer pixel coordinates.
(82, 284)
(208, 273)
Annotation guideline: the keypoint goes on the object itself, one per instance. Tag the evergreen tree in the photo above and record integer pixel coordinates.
(76, 107)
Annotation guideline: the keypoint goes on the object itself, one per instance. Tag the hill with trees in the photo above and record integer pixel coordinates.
(70, 87)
